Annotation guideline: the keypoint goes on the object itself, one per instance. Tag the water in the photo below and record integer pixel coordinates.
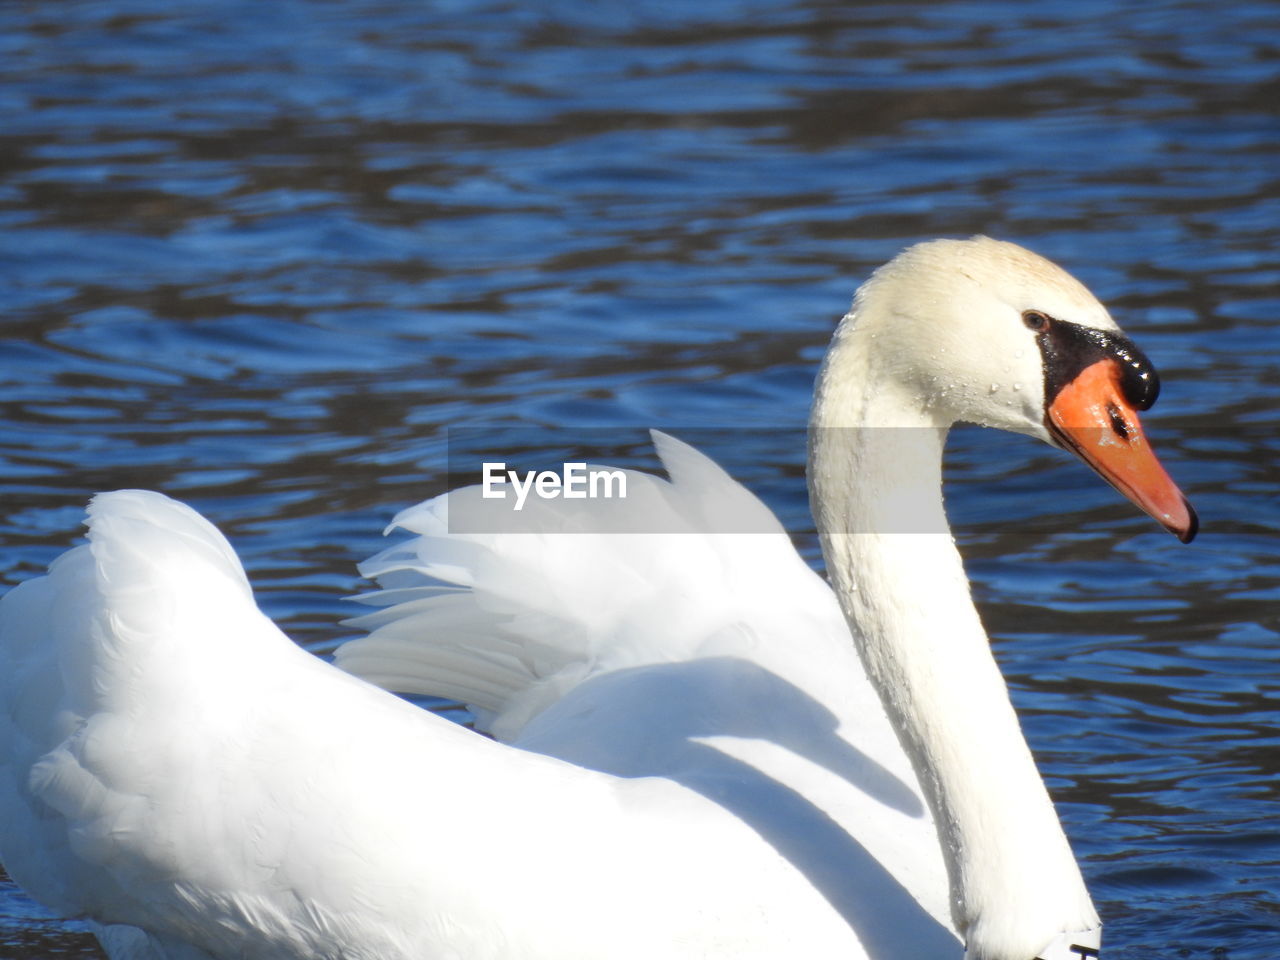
(261, 256)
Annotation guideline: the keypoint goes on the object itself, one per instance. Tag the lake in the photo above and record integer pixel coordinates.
(263, 256)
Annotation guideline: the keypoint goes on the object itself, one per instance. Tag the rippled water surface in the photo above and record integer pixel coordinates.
(261, 255)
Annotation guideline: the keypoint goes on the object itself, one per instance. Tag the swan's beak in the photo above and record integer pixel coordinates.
(1091, 417)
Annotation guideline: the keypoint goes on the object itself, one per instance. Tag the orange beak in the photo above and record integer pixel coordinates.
(1091, 417)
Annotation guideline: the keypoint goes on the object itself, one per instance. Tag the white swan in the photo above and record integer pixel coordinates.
(707, 771)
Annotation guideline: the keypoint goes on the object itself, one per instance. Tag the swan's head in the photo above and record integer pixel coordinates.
(986, 332)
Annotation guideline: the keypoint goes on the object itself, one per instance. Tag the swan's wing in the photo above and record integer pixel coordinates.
(71, 642)
(173, 763)
(509, 621)
(168, 755)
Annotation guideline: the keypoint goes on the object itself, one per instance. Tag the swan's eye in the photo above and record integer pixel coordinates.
(1035, 319)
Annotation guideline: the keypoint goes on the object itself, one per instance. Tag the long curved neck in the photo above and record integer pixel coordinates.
(875, 475)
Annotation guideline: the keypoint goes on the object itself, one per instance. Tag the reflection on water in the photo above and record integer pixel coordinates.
(262, 256)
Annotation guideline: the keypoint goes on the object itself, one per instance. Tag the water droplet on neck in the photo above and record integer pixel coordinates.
(995, 387)
(1017, 387)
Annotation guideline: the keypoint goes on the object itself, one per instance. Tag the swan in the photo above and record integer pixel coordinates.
(693, 755)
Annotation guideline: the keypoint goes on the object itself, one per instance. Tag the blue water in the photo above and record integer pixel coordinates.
(262, 255)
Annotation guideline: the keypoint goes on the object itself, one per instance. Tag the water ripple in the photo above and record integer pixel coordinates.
(262, 256)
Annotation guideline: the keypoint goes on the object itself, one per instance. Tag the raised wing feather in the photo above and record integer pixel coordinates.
(511, 619)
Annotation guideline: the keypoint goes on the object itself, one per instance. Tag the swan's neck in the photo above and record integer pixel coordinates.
(875, 476)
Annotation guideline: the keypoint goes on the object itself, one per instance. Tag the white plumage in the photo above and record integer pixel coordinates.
(690, 759)
(205, 779)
